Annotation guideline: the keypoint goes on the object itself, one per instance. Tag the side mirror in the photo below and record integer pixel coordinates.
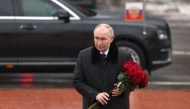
(63, 15)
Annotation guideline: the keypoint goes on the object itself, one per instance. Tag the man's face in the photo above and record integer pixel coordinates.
(102, 39)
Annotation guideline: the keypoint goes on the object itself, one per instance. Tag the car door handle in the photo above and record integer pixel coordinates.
(28, 27)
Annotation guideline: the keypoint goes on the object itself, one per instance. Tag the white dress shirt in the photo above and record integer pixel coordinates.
(106, 52)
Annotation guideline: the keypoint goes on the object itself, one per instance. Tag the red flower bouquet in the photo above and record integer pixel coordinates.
(132, 76)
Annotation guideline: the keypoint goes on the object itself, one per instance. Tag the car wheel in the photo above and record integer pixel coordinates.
(136, 52)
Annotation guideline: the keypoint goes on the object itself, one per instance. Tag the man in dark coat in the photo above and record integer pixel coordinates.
(95, 76)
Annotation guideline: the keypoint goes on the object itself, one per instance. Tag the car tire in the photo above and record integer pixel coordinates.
(136, 52)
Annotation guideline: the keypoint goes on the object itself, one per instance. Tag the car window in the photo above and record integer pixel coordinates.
(38, 8)
(80, 8)
(6, 8)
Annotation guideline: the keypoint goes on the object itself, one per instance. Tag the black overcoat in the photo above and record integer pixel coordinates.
(89, 79)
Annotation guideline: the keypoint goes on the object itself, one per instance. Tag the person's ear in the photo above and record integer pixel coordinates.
(112, 38)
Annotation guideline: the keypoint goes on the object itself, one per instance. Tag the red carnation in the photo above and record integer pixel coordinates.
(131, 71)
(132, 76)
(144, 82)
(130, 64)
(136, 80)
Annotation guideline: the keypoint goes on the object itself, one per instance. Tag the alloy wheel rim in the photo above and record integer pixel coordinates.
(134, 54)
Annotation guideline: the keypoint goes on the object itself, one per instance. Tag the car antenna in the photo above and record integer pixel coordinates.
(144, 23)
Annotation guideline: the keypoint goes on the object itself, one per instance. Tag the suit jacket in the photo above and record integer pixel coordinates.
(89, 79)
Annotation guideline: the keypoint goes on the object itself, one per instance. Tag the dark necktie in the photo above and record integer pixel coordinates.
(102, 56)
(103, 61)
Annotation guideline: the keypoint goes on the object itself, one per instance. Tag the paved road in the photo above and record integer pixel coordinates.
(70, 99)
(177, 74)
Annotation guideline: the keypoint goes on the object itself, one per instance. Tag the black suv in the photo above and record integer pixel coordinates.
(47, 35)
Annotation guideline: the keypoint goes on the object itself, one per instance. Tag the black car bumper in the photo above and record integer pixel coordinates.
(165, 59)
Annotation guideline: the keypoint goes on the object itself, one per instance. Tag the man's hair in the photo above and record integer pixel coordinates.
(107, 27)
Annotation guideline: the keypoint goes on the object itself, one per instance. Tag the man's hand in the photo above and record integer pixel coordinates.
(102, 98)
(116, 92)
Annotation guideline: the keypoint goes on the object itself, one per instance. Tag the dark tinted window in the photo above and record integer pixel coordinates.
(85, 3)
(80, 8)
(38, 8)
(6, 8)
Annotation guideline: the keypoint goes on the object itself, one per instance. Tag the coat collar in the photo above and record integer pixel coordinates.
(112, 54)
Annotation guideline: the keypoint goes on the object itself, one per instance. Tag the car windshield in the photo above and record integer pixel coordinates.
(82, 9)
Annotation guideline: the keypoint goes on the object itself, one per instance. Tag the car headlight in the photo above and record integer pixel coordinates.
(162, 35)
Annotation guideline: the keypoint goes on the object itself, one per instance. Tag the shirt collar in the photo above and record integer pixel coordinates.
(106, 52)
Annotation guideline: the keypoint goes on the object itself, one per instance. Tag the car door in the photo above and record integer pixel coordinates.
(43, 38)
(8, 38)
